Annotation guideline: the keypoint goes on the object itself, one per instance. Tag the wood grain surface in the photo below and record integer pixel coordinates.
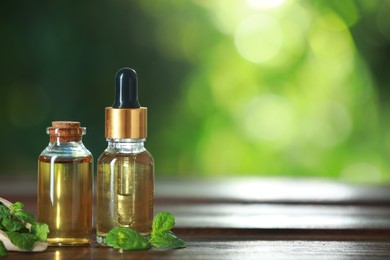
(251, 218)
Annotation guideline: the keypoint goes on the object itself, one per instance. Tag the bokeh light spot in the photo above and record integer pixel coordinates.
(221, 149)
(233, 82)
(268, 117)
(259, 38)
(227, 15)
(330, 39)
(327, 124)
(265, 4)
(294, 25)
(333, 22)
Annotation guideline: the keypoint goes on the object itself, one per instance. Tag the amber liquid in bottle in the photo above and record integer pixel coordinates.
(65, 198)
(125, 192)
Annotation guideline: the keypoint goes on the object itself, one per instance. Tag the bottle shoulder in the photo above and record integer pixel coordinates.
(66, 150)
(143, 157)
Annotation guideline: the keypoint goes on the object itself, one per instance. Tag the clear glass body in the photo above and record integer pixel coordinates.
(65, 184)
(125, 187)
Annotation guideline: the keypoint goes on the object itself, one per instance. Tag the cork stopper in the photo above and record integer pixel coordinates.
(65, 124)
(65, 131)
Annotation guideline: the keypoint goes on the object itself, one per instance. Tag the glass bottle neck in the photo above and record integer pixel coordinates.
(125, 145)
(59, 141)
(66, 149)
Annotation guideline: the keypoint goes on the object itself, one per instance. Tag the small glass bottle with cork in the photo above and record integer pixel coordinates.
(65, 183)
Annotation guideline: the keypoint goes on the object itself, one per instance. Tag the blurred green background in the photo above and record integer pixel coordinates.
(233, 87)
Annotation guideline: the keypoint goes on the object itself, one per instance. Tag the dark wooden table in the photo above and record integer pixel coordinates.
(251, 218)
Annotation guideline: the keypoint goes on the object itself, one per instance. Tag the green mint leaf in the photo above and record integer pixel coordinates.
(163, 222)
(11, 225)
(40, 230)
(17, 206)
(166, 240)
(161, 236)
(3, 250)
(126, 239)
(4, 211)
(20, 214)
(24, 216)
(24, 241)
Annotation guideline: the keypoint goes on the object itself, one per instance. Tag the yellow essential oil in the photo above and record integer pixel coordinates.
(65, 186)
(126, 188)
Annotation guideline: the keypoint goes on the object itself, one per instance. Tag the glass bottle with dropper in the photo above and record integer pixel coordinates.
(125, 173)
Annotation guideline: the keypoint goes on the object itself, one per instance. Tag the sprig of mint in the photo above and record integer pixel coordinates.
(123, 238)
(14, 222)
(126, 239)
(162, 236)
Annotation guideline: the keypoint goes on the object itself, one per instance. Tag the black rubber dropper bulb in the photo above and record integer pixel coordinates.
(126, 89)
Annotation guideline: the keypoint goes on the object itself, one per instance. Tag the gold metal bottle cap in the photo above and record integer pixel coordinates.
(126, 122)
